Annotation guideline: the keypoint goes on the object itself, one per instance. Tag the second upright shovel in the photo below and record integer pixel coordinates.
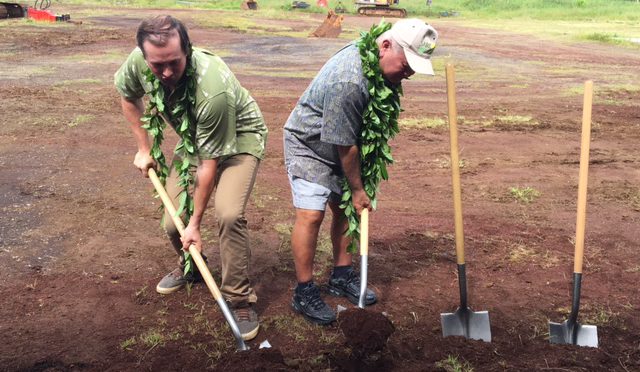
(570, 331)
(464, 322)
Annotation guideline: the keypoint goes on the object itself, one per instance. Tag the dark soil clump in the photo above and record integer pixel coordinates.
(366, 331)
(254, 361)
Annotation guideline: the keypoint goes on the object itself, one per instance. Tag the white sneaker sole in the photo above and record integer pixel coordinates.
(251, 335)
(166, 291)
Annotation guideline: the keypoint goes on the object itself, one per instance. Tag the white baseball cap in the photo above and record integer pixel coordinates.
(418, 40)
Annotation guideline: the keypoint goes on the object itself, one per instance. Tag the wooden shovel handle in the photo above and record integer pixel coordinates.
(364, 232)
(583, 176)
(455, 169)
(197, 257)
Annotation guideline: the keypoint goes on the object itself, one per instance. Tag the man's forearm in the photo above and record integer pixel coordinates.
(350, 161)
(205, 181)
(133, 111)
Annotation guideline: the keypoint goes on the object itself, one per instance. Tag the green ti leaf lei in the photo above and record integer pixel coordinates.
(379, 124)
(185, 150)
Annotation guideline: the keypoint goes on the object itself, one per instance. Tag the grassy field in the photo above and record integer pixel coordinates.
(603, 21)
(618, 10)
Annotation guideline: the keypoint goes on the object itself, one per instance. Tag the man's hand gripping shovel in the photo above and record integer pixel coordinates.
(197, 258)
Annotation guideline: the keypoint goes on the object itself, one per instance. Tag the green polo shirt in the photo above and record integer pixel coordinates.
(228, 121)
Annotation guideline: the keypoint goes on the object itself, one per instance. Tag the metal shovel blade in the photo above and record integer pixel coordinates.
(575, 334)
(467, 323)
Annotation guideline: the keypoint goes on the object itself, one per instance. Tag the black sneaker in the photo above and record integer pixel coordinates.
(309, 303)
(349, 286)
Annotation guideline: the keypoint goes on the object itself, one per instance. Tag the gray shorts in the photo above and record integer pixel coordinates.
(309, 195)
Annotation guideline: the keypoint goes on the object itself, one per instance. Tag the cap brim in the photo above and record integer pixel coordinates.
(418, 64)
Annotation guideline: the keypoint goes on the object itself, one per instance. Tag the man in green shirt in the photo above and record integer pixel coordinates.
(229, 136)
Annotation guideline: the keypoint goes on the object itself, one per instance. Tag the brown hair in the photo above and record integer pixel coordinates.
(159, 29)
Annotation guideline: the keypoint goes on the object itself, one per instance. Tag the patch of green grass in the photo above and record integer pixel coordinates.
(80, 119)
(293, 326)
(22, 71)
(600, 316)
(607, 38)
(602, 37)
(445, 163)
(524, 195)
(152, 338)
(65, 83)
(128, 344)
(422, 123)
(284, 231)
(284, 249)
(548, 260)
(191, 306)
(454, 364)
(109, 57)
(635, 269)
(513, 121)
(607, 93)
(141, 296)
(520, 253)
(324, 255)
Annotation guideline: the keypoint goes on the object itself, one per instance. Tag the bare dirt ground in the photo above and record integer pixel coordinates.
(81, 249)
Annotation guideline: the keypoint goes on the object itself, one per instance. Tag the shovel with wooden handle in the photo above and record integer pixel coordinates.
(570, 331)
(197, 258)
(364, 255)
(464, 322)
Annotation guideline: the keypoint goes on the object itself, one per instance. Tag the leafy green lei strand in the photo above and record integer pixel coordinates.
(379, 124)
(154, 123)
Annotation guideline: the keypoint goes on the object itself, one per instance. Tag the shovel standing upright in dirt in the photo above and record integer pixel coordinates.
(570, 331)
(464, 322)
(364, 255)
(197, 258)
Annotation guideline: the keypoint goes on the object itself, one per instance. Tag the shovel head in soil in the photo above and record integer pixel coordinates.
(570, 331)
(466, 322)
(573, 333)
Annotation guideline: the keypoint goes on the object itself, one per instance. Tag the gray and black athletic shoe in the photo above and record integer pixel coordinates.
(247, 320)
(349, 286)
(309, 303)
(176, 280)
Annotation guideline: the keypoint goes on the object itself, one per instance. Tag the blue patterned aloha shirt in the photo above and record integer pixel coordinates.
(328, 114)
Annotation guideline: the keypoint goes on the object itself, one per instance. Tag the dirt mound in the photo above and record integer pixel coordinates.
(366, 331)
(254, 360)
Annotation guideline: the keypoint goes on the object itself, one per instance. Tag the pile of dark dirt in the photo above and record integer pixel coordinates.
(366, 331)
(366, 334)
(254, 361)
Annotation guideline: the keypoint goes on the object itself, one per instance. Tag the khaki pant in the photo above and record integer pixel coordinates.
(234, 182)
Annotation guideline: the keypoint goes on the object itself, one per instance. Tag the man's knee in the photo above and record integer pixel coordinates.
(309, 218)
(230, 218)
